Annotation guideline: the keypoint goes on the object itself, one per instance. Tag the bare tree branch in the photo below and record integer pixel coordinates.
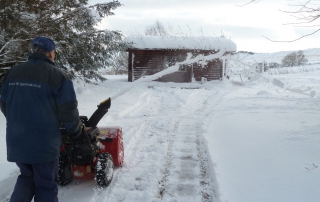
(156, 30)
(307, 25)
(307, 13)
(294, 39)
(252, 1)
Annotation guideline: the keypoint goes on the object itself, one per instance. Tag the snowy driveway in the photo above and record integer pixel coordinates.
(212, 142)
(165, 157)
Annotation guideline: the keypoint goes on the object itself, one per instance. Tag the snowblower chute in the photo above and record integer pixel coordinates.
(94, 153)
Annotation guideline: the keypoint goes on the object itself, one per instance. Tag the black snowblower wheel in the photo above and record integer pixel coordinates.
(104, 170)
(64, 172)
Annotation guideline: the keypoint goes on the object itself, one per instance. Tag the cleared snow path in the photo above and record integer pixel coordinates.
(164, 156)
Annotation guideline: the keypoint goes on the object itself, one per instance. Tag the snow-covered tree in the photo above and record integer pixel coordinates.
(120, 62)
(294, 59)
(70, 23)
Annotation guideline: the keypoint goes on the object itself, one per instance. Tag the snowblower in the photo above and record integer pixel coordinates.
(94, 153)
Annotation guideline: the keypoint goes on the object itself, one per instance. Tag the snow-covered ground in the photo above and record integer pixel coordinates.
(218, 141)
(312, 54)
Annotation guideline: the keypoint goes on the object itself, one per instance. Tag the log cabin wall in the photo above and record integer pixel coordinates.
(148, 62)
(211, 71)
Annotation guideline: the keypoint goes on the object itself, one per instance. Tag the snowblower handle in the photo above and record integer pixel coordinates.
(99, 113)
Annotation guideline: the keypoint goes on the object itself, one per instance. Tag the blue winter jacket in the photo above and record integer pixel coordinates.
(36, 98)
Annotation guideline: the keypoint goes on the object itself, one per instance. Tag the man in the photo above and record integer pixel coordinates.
(36, 98)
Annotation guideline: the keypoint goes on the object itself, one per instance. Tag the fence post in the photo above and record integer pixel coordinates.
(223, 68)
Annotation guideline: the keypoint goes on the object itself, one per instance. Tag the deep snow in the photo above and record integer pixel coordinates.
(182, 42)
(250, 141)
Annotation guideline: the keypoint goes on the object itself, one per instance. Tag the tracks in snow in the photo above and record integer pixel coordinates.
(165, 157)
(185, 175)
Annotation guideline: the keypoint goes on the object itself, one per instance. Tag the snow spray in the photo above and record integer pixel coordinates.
(169, 70)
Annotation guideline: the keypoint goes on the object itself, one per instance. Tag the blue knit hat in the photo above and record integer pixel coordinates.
(43, 44)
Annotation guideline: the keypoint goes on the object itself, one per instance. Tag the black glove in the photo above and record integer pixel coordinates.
(64, 133)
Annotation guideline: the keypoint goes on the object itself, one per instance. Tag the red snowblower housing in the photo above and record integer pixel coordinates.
(94, 153)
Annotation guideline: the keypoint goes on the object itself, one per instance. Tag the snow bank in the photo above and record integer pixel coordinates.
(174, 42)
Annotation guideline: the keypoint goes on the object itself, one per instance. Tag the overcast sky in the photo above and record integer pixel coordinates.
(246, 25)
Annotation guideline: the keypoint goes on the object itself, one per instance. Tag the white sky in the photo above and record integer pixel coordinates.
(246, 26)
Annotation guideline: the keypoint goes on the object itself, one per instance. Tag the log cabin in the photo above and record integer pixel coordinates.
(151, 54)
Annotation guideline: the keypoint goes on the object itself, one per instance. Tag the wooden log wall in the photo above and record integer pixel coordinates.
(149, 62)
(212, 70)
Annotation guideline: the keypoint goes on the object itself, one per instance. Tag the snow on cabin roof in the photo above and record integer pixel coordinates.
(189, 43)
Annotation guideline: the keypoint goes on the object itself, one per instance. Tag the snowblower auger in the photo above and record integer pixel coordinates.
(94, 153)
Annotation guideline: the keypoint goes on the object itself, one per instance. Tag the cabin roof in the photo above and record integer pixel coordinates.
(181, 43)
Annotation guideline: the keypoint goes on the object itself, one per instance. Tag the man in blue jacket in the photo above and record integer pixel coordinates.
(36, 99)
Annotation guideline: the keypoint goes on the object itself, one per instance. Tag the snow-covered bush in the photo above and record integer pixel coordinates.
(294, 59)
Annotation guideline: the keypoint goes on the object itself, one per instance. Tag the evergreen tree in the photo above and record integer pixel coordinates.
(70, 23)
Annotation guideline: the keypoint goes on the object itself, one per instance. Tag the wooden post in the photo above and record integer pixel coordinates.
(191, 73)
(223, 68)
(130, 67)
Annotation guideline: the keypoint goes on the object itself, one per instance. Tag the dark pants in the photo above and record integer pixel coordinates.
(38, 181)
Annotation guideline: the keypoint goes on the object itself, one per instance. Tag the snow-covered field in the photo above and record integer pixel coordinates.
(312, 54)
(218, 141)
